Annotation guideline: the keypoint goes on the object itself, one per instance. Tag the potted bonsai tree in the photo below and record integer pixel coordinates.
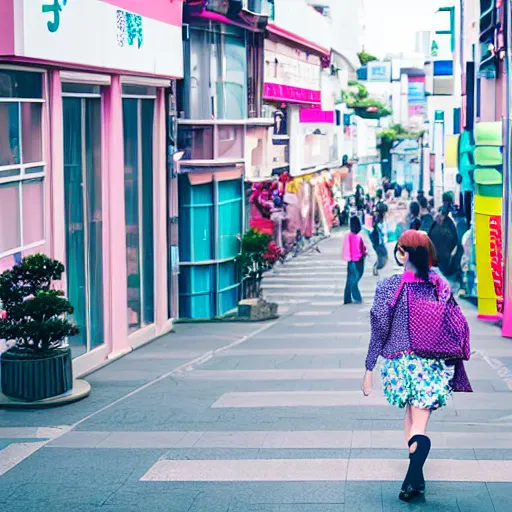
(34, 317)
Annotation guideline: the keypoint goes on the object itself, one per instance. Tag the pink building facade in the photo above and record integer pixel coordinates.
(86, 91)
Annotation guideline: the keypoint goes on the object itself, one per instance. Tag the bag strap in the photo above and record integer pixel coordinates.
(396, 296)
(393, 303)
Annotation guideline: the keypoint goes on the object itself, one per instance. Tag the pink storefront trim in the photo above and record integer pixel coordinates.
(91, 69)
(169, 12)
(316, 115)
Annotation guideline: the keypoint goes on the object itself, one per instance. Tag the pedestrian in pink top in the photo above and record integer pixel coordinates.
(354, 253)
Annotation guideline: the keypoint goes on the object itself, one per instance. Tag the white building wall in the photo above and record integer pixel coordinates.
(396, 102)
(346, 19)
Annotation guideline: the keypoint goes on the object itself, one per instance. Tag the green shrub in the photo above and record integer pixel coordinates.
(34, 315)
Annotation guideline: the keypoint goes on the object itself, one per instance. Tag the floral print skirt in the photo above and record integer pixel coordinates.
(413, 380)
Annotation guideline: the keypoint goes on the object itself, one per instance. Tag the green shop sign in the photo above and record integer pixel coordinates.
(54, 8)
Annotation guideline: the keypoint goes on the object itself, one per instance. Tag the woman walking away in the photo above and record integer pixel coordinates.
(419, 329)
(354, 252)
(378, 239)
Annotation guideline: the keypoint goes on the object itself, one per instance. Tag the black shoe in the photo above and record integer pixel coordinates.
(414, 483)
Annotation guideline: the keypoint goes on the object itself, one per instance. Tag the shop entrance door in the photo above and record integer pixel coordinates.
(84, 216)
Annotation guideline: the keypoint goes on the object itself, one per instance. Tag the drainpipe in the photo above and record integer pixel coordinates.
(507, 179)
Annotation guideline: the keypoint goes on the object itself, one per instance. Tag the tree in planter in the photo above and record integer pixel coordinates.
(35, 319)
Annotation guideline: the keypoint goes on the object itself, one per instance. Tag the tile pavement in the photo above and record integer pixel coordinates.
(273, 424)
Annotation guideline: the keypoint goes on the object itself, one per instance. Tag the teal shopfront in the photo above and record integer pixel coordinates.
(210, 228)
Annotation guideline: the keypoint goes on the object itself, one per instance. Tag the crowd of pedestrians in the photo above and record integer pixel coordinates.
(392, 211)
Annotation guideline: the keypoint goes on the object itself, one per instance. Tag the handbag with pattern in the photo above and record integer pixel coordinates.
(437, 326)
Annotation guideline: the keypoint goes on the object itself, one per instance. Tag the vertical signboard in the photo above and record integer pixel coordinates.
(417, 97)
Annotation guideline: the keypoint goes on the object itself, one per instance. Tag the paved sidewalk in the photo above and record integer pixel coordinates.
(261, 418)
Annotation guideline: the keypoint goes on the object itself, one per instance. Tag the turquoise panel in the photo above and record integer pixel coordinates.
(209, 232)
(489, 190)
(196, 227)
(229, 218)
(229, 286)
(196, 292)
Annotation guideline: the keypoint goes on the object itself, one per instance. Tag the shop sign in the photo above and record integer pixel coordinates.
(276, 92)
(417, 97)
(379, 71)
(496, 257)
(125, 35)
(291, 75)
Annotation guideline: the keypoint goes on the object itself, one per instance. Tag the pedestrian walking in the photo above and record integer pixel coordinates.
(414, 216)
(420, 331)
(354, 253)
(378, 240)
(425, 216)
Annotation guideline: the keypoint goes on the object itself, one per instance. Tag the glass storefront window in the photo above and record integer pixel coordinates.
(9, 134)
(138, 122)
(216, 83)
(33, 210)
(21, 162)
(231, 85)
(31, 133)
(10, 232)
(84, 219)
(21, 84)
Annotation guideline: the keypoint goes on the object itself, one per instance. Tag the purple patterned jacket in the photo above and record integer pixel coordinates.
(391, 343)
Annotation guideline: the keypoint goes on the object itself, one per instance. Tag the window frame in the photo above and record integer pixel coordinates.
(23, 175)
(140, 98)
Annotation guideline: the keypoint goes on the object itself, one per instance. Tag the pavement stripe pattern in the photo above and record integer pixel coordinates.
(268, 422)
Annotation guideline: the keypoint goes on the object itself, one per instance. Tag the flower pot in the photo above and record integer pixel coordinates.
(32, 376)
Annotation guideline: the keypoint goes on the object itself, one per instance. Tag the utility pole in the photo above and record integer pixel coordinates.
(507, 179)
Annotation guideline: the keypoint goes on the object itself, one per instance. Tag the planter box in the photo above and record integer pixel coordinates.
(29, 376)
(257, 310)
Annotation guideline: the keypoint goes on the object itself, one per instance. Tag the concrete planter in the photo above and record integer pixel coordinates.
(257, 310)
(33, 376)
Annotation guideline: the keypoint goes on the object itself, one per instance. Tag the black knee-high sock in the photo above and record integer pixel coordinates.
(414, 478)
